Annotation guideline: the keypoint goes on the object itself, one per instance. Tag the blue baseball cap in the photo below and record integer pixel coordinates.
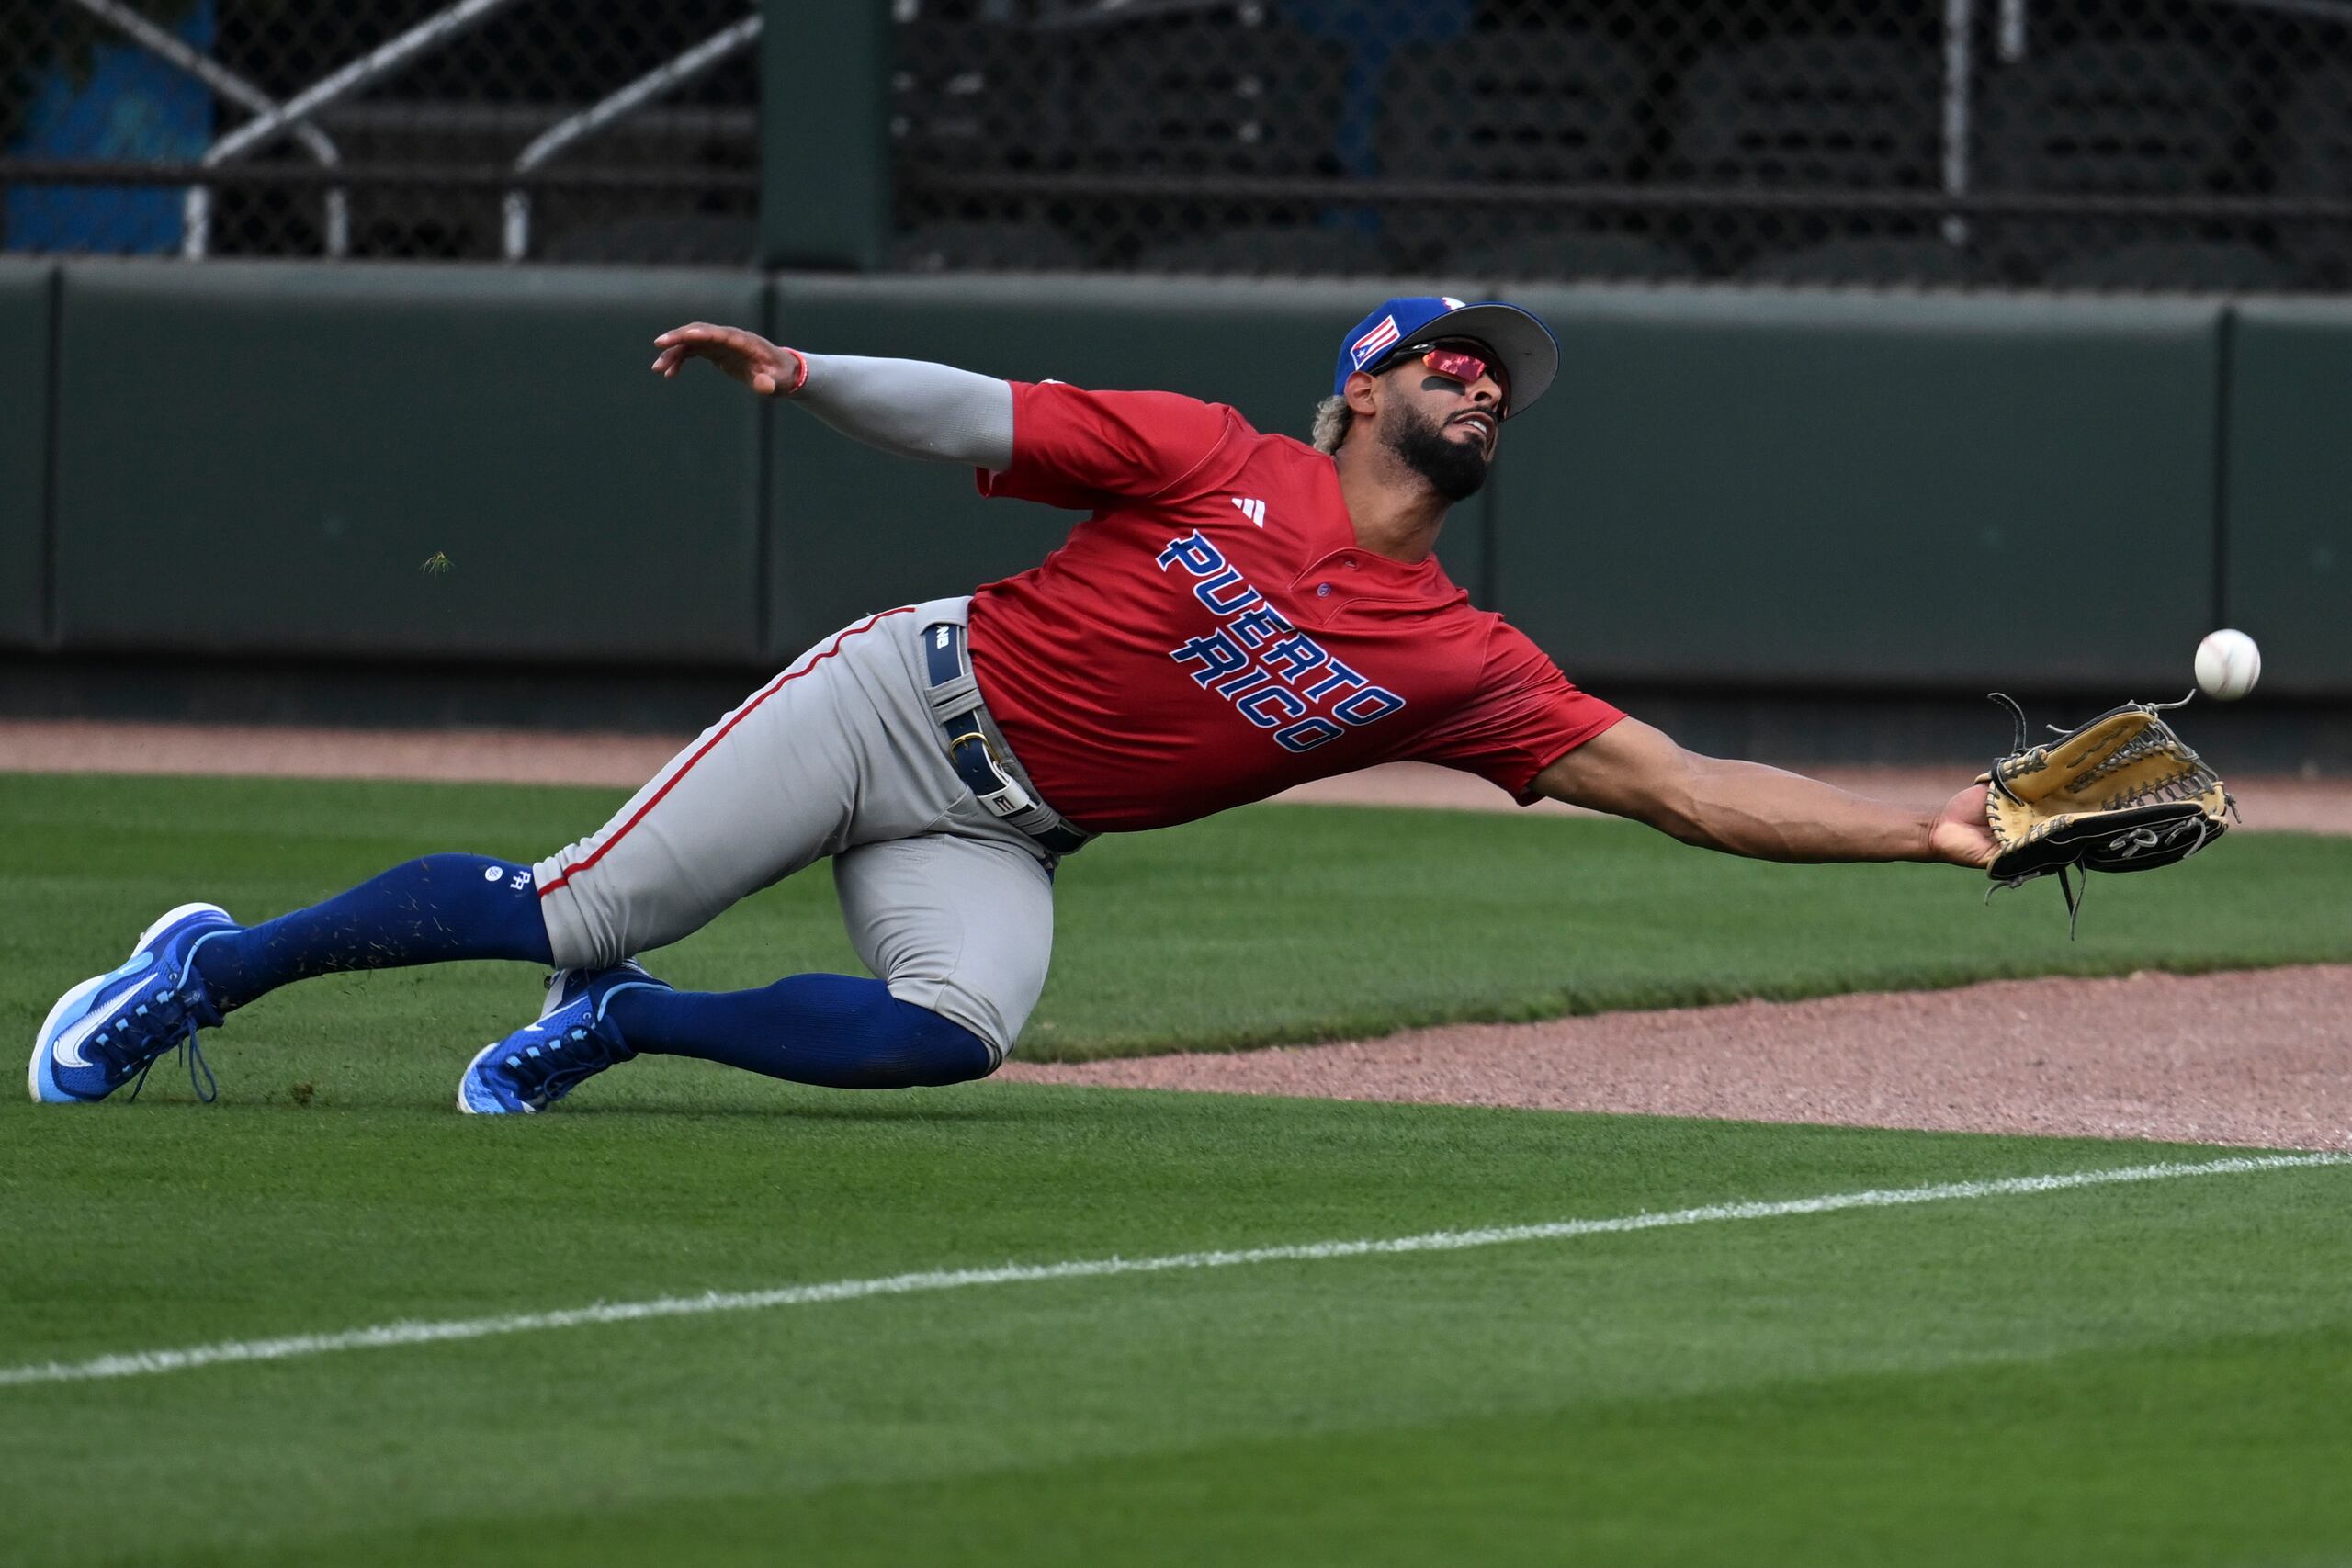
(1528, 352)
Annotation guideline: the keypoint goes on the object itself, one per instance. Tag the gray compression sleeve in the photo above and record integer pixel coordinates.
(911, 408)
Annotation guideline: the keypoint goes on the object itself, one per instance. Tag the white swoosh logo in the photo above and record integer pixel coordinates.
(66, 1050)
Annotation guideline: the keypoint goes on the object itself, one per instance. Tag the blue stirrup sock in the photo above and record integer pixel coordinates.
(835, 1031)
(427, 911)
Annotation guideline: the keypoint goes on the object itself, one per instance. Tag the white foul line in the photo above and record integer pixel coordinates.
(138, 1363)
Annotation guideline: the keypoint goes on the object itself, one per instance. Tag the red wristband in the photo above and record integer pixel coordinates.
(800, 376)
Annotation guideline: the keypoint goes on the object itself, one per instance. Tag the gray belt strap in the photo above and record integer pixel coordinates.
(978, 748)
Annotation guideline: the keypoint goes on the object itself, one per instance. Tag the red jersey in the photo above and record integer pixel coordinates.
(1214, 634)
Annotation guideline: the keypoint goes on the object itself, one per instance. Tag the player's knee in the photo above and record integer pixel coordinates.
(586, 928)
(931, 1050)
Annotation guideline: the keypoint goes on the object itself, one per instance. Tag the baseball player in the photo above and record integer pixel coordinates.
(1238, 613)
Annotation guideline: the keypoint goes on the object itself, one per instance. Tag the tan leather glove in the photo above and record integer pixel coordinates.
(2121, 792)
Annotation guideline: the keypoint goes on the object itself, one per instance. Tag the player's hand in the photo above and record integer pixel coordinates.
(1960, 834)
(746, 356)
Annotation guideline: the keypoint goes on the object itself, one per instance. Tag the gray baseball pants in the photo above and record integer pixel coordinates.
(837, 756)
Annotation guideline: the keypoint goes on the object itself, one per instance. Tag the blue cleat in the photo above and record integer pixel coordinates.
(111, 1028)
(542, 1062)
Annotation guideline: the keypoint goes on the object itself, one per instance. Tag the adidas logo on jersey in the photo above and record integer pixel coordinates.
(1251, 508)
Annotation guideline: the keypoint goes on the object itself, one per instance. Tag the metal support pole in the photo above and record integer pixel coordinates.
(1959, 69)
(713, 51)
(382, 61)
(176, 51)
(2319, 10)
(825, 174)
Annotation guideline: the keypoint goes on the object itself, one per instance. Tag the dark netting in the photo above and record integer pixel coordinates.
(618, 130)
(2194, 144)
(2177, 144)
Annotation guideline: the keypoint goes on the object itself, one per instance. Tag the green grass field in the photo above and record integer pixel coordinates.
(1254, 927)
(2155, 1372)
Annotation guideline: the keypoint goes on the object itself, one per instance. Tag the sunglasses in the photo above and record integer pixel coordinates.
(1462, 362)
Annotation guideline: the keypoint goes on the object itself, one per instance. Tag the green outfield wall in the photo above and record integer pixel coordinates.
(2286, 524)
(27, 294)
(1736, 489)
(1817, 489)
(260, 458)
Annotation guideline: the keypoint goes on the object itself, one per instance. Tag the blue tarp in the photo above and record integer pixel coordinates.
(132, 107)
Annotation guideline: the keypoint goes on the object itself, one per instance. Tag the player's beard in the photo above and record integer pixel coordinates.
(1454, 468)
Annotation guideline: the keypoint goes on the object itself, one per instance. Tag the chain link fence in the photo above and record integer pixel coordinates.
(2185, 144)
(2167, 144)
(550, 129)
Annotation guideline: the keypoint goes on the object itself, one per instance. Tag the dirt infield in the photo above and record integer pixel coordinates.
(2289, 804)
(481, 756)
(2261, 1059)
(516, 756)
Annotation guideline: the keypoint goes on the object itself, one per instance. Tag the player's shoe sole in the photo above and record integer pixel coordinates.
(40, 1073)
(473, 1095)
(39, 1076)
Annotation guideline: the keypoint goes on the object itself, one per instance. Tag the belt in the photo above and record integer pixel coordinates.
(973, 744)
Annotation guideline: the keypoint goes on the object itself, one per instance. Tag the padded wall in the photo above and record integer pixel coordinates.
(260, 458)
(1857, 491)
(1727, 488)
(25, 294)
(2288, 527)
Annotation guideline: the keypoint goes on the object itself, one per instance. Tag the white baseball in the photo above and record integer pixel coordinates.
(2228, 664)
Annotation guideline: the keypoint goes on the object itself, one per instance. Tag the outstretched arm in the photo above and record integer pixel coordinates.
(1745, 809)
(909, 408)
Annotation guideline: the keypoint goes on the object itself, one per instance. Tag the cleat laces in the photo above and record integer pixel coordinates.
(545, 1074)
(207, 1090)
(141, 1039)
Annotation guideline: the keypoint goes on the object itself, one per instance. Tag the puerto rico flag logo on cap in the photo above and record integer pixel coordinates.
(1373, 342)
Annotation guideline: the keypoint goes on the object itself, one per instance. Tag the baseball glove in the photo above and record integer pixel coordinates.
(2120, 793)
